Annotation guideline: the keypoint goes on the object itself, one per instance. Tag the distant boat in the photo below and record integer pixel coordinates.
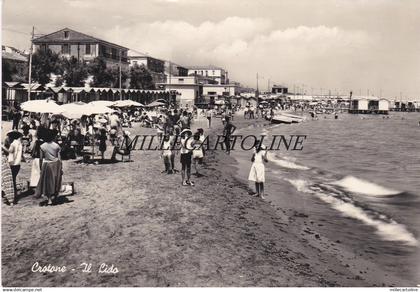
(294, 117)
(280, 119)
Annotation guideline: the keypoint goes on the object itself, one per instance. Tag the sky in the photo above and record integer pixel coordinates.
(310, 45)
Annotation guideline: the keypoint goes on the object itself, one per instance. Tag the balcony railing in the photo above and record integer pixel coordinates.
(113, 57)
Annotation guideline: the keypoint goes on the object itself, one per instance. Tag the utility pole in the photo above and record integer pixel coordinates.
(257, 87)
(119, 63)
(170, 70)
(268, 85)
(30, 64)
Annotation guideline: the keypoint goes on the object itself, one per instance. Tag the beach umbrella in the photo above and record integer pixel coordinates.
(41, 106)
(127, 103)
(155, 104)
(74, 110)
(102, 102)
(79, 109)
(99, 109)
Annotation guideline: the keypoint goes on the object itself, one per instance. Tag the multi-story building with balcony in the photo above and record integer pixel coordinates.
(219, 75)
(71, 43)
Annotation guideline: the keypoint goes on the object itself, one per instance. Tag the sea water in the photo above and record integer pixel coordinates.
(360, 176)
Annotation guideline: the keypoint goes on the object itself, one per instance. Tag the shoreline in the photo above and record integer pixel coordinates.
(158, 233)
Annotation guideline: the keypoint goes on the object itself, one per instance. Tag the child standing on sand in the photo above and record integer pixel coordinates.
(257, 172)
(102, 142)
(167, 154)
(186, 149)
(197, 153)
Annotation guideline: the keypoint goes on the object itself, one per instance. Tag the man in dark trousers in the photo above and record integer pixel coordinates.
(16, 118)
(227, 132)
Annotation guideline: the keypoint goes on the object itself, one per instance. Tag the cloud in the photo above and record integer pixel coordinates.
(325, 43)
(245, 46)
(79, 3)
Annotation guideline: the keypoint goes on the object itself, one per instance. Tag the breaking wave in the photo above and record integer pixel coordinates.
(386, 227)
(288, 164)
(360, 186)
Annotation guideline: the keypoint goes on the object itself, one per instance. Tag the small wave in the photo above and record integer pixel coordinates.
(360, 186)
(387, 228)
(289, 164)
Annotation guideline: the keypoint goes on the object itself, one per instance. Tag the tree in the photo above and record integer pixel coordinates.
(114, 76)
(8, 69)
(141, 78)
(44, 63)
(97, 69)
(75, 72)
(104, 76)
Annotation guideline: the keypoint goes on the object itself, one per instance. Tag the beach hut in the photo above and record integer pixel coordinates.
(13, 91)
(383, 106)
(369, 105)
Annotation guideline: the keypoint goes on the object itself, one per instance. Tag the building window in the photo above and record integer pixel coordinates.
(66, 34)
(65, 49)
(114, 53)
(43, 47)
(88, 51)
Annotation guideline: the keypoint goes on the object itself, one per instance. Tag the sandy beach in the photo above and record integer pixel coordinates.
(157, 232)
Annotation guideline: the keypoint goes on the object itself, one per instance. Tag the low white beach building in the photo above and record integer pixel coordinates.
(369, 105)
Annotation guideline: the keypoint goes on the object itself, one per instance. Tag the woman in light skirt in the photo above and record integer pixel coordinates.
(257, 172)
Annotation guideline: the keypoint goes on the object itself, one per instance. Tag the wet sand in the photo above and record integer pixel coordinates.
(157, 232)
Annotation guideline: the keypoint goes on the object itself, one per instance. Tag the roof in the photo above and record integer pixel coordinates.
(205, 67)
(13, 56)
(34, 86)
(355, 97)
(279, 86)
(12, 84)
(74, 37)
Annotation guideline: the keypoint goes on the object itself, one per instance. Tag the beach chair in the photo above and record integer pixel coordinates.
(123, 149)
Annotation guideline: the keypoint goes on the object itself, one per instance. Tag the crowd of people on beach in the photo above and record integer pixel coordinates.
(46, 140)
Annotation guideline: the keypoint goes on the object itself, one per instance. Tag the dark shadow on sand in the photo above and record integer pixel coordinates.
(100, 161)
(58, 201)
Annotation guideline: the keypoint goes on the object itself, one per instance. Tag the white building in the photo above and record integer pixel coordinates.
(186, 86)
(218, 74)
(218, 90)
(369, 104)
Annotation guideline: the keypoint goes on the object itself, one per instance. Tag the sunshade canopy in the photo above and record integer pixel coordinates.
(41, 106)
(127, 103)
(155, 103)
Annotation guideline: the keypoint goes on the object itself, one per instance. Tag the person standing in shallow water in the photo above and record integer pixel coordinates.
(257, 172)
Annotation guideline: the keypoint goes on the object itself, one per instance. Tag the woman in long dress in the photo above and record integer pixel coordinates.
(257, 172)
